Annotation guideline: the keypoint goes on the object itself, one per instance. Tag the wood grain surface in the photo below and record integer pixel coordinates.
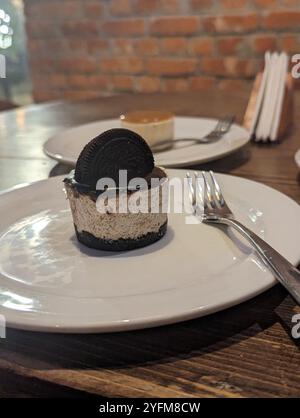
(245, 351)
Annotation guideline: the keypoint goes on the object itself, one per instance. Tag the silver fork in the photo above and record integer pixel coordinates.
(221, 128)
(216, 211)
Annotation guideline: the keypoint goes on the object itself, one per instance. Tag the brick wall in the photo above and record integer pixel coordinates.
(82, 48)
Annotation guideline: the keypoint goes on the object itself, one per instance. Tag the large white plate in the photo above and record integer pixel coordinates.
(48, 282)
(67, 145)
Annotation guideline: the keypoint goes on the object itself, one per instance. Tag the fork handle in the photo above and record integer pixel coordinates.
(287, 274)
(175, 141)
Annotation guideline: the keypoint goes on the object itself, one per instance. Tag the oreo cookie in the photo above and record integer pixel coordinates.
(112, 151)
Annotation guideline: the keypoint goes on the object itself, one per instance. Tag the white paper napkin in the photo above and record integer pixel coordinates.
(268, 106)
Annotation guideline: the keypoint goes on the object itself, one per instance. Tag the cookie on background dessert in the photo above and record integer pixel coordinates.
(155, 126)
(103, 158)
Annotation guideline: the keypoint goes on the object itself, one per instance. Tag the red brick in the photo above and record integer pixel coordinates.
(266, 3)
(170, 6)
(53, 9)
(41, 82)
(147, 6)
(93, 8)
(238, 67)
(122, 83)
(147, 84)
(231, 84)
(44, 47)
(77, 81)
(40, 96)
(95, 45)
(289, 3)
(123, 46)
(229, 66)
(58, 80)
(169, 66)
(201, 83)
(70, 58)
(127, 65)
(174, 46)
(80, 29)
(34, 46)
(233, 4)
(124, 27)
(282, 20)
(229, 45)
(214, 66)
(261, 44)
(147, 46)
(80, 81)
(155, 6)
(77, 65)
(201, 46)
(184, 25)
(52, 46)
(76, 45)
(200, 5)
(43, 64)
(232, 23)
(290, 43)
(175, 85)
(120, 7)
(35, 28)
(99, 81)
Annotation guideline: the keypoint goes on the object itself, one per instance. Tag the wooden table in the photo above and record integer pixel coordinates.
(243, 351)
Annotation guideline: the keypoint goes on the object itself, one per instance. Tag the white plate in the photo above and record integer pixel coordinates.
(48, 282)
(66, 146)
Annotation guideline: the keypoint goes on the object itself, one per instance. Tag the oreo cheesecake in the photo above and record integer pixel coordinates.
(114, 173)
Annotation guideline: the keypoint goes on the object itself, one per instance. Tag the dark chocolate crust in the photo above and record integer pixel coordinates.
(121, 244)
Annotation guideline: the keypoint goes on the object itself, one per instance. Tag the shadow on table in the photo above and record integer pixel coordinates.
(228, 163)
(165, 344)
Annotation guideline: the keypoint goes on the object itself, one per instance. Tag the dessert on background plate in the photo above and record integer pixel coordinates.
(154, 126)
(103, 158)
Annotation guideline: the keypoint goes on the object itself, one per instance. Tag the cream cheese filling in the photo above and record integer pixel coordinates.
(110, 226)
(153, 132)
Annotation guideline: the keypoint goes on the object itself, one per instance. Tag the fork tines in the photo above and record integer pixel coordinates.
(222, 127)
(208, 193)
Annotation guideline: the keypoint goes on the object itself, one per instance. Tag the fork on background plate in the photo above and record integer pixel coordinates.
(216, 211)
(222, 127)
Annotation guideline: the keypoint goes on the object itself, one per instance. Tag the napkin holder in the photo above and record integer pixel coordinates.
(286, 118)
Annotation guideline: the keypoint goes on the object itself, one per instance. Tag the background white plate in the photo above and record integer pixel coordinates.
(48, 282)
(67, 145)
